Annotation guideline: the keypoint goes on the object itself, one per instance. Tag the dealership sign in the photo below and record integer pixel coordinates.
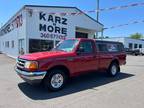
(51, 26)
(16, 23)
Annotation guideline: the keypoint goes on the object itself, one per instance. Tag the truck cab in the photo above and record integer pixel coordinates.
(70, 58)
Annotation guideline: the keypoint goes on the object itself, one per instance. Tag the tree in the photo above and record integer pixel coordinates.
(136, 36)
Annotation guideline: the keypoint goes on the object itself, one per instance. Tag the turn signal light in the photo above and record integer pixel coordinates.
(31, 65)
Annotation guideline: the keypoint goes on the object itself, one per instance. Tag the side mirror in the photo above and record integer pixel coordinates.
(80, 50)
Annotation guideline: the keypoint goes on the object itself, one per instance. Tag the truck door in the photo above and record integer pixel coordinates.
(87, 59)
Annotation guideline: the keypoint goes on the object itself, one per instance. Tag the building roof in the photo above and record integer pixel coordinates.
(50, 7)
(128, 38)
(64, 7)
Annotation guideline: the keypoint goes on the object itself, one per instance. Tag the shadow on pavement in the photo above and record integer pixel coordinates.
(77, 84)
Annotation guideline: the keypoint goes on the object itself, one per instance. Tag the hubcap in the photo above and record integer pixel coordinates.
(57, 81)
(114, 70)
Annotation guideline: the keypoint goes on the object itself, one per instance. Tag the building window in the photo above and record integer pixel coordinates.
(12, 44)
(140, 45)
(130, 46)
(36, 45)
(135, 45)
(7, 44)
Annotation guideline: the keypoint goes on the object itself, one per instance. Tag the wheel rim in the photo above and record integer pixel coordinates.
(57, 81)
(113, 70)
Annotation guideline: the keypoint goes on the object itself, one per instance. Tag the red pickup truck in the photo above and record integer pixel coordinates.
(69, 58)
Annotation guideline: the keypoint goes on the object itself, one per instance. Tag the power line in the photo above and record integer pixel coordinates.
(123, 7)
(126, 24)
(92, 11)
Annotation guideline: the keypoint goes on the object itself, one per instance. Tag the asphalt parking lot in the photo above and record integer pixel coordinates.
(87, 91)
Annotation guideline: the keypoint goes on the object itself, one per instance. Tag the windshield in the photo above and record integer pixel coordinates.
(66, 45)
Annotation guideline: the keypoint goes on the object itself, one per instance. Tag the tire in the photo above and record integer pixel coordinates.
(55, 80)
(114, 69)
(136, 54)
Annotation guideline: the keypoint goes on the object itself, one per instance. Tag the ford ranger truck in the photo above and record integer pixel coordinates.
(70, 58)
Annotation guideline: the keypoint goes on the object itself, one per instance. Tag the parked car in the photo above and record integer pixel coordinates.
(142, 51)
(135, 52)
(127, 50)
(70, 58)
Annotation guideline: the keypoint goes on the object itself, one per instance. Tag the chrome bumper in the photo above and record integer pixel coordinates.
(31, 77)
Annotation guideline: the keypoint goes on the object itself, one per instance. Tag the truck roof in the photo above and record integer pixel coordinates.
(104, 41)
(97, 40)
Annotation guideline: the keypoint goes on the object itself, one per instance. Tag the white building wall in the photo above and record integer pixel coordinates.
(14, 35)
(127, 41)
(72, 22)
(133, 41)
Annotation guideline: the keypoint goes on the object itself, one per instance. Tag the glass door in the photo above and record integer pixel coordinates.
(21, 47)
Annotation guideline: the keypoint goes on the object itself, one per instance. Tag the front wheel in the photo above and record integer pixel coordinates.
(55, 80)
(114, 69)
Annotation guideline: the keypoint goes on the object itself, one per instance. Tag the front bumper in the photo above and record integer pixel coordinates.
(31, 77)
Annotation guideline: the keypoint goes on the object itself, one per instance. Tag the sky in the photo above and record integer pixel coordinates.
(108, 18)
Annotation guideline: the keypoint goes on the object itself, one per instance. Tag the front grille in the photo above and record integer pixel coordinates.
(20, 63)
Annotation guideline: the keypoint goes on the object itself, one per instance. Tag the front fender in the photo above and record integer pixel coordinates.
(48, 64)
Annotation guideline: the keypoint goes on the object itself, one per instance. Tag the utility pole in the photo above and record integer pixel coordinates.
(97, 13)
(97, 16)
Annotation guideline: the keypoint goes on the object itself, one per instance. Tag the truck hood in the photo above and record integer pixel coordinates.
(45, 55)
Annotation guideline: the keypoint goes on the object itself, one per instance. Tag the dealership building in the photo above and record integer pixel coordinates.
(39, 28)
(128, 42)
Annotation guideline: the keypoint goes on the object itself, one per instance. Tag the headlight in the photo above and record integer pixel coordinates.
(31, 65)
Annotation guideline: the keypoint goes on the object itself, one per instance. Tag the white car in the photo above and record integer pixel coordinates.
(142, 51)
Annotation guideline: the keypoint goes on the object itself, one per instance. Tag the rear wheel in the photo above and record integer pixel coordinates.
(114, 69)
(55, 80)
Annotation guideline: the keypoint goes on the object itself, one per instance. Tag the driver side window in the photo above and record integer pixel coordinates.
(86, 47)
